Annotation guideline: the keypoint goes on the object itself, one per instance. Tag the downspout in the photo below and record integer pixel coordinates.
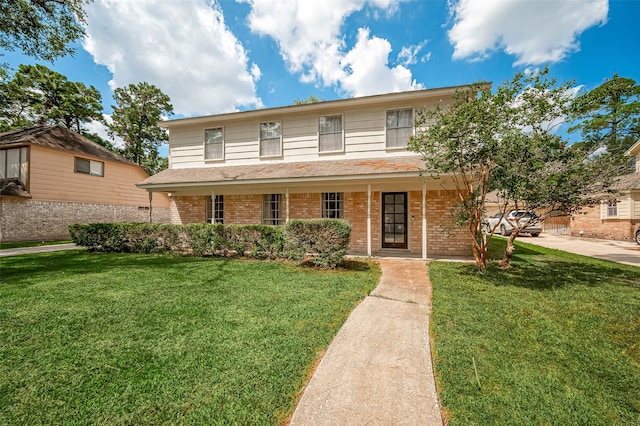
(150, 207)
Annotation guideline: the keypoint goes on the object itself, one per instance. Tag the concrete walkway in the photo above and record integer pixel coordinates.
(626, 252)
(38, 249)
(377, 370)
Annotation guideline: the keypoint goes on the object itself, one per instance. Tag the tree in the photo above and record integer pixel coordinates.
(38, 95)
(461, 141)
(138, 109)
(609, 114)
(309, 100)
(43, 29)
(506, 140)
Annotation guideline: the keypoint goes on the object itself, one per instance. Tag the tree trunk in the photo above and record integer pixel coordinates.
(505, 263)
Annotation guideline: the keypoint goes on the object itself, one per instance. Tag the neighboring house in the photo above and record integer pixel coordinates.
(336, 159)
(51, 177)
(613, 219)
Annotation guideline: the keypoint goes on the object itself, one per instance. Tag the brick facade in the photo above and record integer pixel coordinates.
(31, 220)
(443, 239)
(587, 223)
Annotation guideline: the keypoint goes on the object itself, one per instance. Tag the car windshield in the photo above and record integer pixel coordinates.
(526, 215)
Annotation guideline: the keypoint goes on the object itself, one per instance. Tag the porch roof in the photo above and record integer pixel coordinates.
(312, 171)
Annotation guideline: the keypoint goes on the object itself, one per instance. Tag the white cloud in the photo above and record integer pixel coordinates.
(409, 54)
(101, 130)
(309, 36)
(183, 47)
(535, 32)
(368, 69)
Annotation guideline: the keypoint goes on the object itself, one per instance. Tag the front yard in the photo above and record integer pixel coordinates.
(554, 340)
(91, 338)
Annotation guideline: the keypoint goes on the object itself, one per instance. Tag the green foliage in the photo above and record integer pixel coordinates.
(309, 100)
(38, 95)
(136, 113)
(554, 340)
(506, 140)
(42, 29)
(325, 241)
(609, 115)
(151, 339)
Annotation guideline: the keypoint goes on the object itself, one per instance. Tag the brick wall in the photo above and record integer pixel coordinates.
(29, 220)
(442, 237)
(588, 221)
(185, 210)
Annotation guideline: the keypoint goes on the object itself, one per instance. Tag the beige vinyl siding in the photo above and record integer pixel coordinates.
(364, 137)
(52, 178)
(635, 204)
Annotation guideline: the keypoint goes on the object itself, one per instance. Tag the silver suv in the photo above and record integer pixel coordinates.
(636, 233)
(511, 221)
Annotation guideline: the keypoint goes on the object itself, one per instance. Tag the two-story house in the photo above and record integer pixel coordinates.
(336, 159)
(51, 177)
(617, 217)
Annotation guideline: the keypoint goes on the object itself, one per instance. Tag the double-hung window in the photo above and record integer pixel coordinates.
(14, 164)
(612, 208)
(332, 205)
(214, 144)
(90, 167)
(270, 139)
(330, 133)
(215, 209)
(399, 127)
(271, 209)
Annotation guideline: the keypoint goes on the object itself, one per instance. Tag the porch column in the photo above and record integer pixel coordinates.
(424, 221)
(286, 200)
(150, 207)
(213, 206)
(369, 220)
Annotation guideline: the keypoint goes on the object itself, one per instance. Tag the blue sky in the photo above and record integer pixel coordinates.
(220, 56)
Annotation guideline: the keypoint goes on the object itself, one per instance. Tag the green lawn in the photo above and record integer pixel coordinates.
(90, 338)
(30, 244)
(553, 340)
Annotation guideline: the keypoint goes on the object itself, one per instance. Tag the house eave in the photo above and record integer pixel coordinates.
(314, 107)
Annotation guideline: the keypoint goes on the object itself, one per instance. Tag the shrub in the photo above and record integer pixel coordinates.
(324, 241)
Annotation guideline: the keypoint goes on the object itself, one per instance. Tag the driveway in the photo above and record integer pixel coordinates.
(616, 251)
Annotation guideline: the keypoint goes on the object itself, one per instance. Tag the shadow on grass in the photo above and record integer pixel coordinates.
(540, 268)
(79, 262)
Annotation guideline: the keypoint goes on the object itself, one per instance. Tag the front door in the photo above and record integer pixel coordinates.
(394, 219)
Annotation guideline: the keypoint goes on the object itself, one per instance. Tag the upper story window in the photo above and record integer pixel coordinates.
(90, 167)
(214, 144)
(330, 133)
(332, 205)
(270, 139)
(14, 164)
(271, 209)
(612, 208)
(399, 127)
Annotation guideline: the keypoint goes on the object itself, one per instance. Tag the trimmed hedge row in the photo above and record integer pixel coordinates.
(323, 242)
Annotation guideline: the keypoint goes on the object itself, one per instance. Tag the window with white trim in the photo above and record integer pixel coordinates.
(612, 208)
(14, 164)
(330, 136)
(399, 127)
(270, 139)
(271, 209)
(90, 167)
(215, 209)
(214, 144)
(332, 205)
